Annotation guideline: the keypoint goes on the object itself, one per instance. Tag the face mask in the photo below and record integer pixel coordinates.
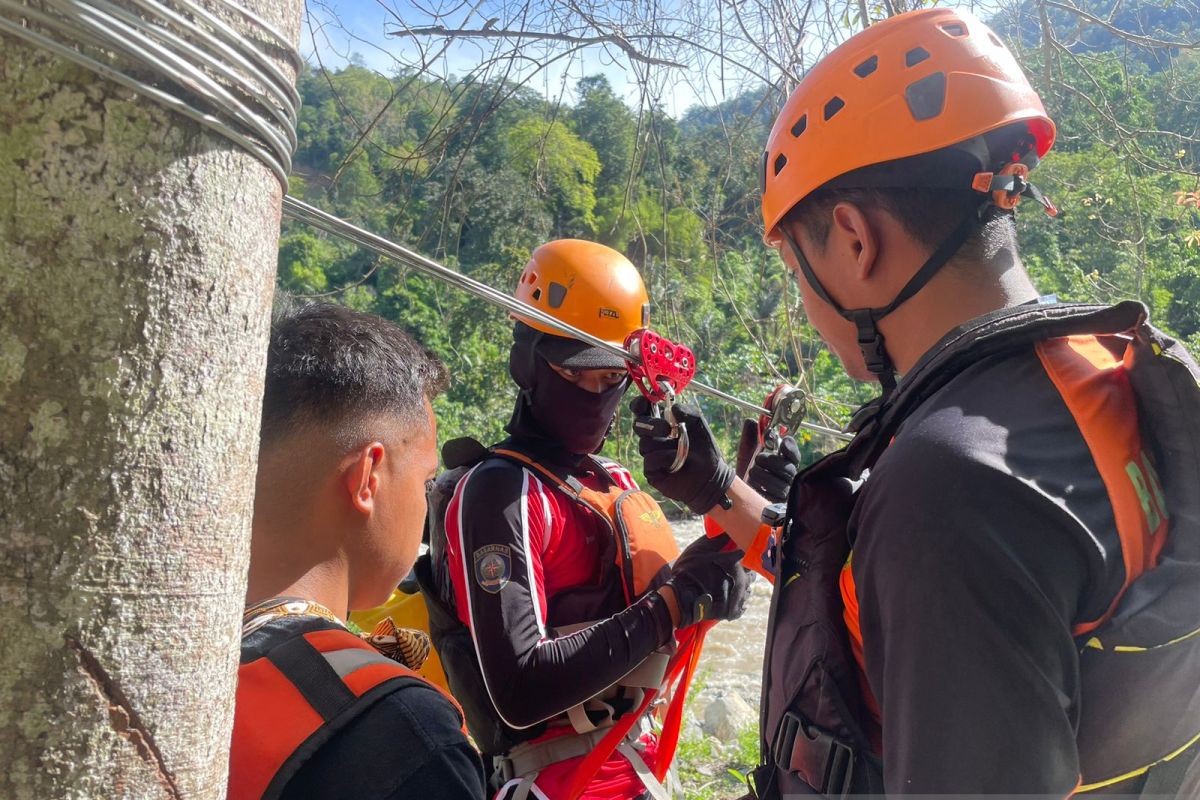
(570, 415)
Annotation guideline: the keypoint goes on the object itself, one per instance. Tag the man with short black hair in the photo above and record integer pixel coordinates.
(348, 444)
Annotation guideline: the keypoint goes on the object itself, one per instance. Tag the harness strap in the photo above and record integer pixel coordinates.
(601, 712)
(529, 758)
(598, 712)
(1166, 778)
(524, 788)
(652, 784)
(568, 483)
(682, 669)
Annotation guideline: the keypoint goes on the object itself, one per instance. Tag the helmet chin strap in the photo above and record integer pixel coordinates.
(866, 320)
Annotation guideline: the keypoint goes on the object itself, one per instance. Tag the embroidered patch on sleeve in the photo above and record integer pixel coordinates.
(493, 567)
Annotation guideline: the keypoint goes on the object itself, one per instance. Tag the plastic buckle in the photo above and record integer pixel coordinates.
(774, 514)
(833, 758)
(873, 352)
(839, 768)
(785, 740)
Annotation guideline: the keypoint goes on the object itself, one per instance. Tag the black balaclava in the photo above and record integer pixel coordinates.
(551, 407)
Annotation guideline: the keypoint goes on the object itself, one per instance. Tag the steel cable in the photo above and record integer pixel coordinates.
(199, 65)
(310, 215)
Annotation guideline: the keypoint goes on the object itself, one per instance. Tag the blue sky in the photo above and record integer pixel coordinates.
(336, 30)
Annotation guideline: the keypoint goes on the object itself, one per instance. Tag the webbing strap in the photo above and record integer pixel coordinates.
(568, 483)
(944, 252)
(1166, 778)
(682, 668)
(524, 788)
(599, 712)
(656, 789)
(313, 676)
(866, 320)
(528, 758)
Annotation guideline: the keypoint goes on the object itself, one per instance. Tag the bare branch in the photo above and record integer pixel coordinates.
(1144, 41)
(498, 33)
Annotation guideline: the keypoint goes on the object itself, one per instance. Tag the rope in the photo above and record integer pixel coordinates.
(184, 57)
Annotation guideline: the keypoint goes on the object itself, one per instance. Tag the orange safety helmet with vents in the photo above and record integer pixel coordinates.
(926, 99)
(588, 286)
(909, 85)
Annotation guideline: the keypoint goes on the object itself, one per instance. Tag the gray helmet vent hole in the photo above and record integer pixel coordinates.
(915, 56)
(867, 67)
(558, 293)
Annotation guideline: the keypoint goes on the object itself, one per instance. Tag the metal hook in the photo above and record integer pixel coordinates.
(787, 414)
(678, 429)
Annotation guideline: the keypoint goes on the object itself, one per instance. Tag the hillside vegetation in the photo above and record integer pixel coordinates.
(477, 174)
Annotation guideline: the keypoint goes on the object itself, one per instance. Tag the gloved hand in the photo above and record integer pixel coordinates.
(772, 473)
(709, 581)
(703, 479)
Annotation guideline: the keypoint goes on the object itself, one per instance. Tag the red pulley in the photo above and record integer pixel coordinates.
(666, 369)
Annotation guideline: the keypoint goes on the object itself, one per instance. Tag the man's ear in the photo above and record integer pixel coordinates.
(361, 477)
(853, 229)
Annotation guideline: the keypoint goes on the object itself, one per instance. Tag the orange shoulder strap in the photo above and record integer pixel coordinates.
(293, 699)
(1094, 384)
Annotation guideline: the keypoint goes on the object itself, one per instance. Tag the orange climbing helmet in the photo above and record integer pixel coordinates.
(916, 83)
(590, 287)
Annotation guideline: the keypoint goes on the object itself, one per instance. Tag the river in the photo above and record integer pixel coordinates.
(733, 651)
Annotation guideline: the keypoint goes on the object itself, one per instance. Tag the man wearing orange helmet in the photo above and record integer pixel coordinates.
(554, 585)
(1019, 612)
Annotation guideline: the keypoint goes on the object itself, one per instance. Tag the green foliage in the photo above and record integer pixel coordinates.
(709, 770)
(561, 165)
(479, 174)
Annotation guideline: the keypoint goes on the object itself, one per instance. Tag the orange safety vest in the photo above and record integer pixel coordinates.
(295, 697)
(645, 548)
(645, 545)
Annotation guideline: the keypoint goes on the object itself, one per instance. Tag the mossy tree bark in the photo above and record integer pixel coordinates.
(137, 257)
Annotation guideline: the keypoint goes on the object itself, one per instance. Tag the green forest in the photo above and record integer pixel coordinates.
(477, 174)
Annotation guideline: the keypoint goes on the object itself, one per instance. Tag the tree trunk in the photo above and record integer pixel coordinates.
(137, 260)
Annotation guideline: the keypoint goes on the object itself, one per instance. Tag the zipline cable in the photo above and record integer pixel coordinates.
(184, 57)
(310, 215)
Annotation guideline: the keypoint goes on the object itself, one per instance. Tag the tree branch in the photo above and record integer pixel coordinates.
(500, 33)
(1144, 41)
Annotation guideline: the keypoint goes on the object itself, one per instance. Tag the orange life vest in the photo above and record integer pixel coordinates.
(1134, 395)
(645, 548)
(292, 699)
(645, 545)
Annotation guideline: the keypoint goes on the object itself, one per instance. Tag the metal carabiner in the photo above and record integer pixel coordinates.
(678, 429)
(787, 405)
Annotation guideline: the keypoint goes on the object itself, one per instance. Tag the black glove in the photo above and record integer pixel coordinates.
(772, 473)
(703, 479)
(709, 581)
